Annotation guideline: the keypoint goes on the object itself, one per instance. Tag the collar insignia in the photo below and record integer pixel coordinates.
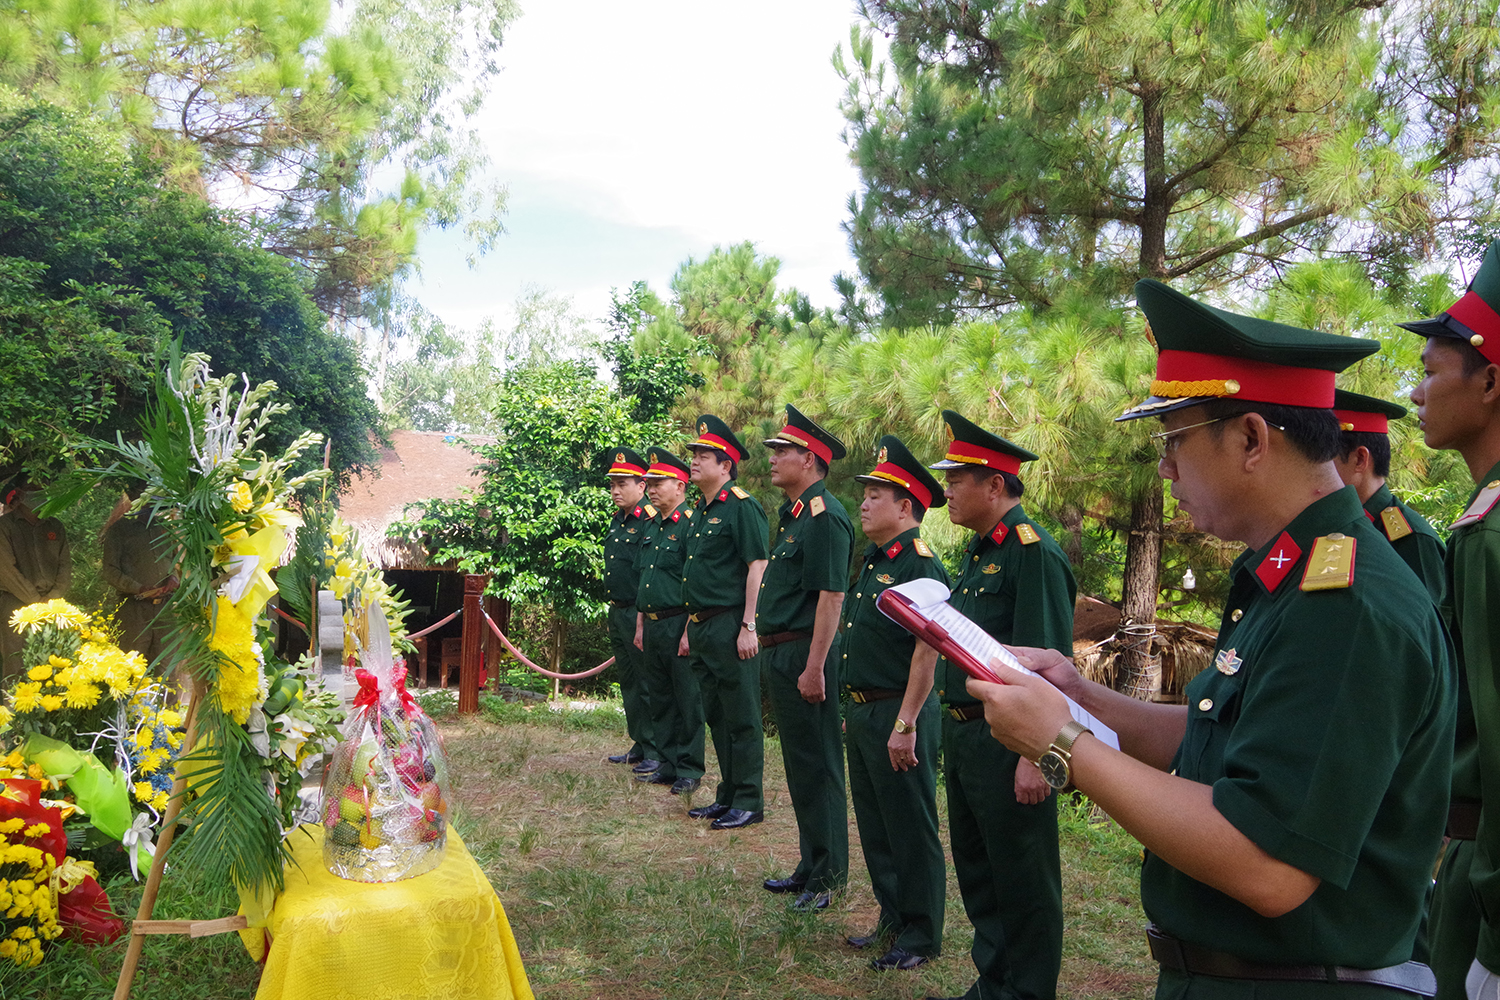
(1394, 522)
(1027, 534)
(893, 551)
(1331, 565)
(1283, 555)
(816, 505)
(921, 547)
(677, 514)
(1227, 663)
(636, 512)
(885, 578)
(723, 495)
(1484, 501)
(797, 509)
(999, 533)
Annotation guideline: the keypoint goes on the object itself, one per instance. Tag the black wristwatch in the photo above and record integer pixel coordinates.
(1056, 763)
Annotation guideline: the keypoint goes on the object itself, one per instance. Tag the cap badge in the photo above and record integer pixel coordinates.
(1227, 663)
(882, 457)
(949, 429)
(619, 456)
(1150, 337)
(703, 428)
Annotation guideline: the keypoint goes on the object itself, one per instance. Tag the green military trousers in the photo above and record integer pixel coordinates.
(630, 662)
(1174, 985)
(676, 702)
(812, 749)
(1006, 858)
(1453, 921)
(731, 708)
(898, 823)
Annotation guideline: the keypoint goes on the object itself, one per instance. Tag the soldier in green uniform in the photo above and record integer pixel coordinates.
(36, 564)
(1364, 462)
(1015, 583)
(1290, 811)
(727, 553)
(622, 547)
(892, 722)
(661, 619)
(1458, 408)
(797, 621)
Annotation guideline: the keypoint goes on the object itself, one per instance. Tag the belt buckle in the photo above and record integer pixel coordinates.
(858, 696)
(693, 618)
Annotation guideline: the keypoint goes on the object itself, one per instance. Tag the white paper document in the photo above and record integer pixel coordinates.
(930, 599)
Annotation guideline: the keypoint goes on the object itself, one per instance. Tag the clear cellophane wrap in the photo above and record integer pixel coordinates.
(385, 795)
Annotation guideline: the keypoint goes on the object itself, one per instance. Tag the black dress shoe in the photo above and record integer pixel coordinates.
(655, 778)
(708, 812)
(809, 901)
(733, 819)
(792, 884)
(684, 786)
(646, 766)
(862, 942)
(898, 958)
(626, 758)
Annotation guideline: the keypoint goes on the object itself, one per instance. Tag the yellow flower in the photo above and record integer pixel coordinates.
(240, 497)
(35, 771)
(233, 639)
(83, 695)
(51, 702)
(23, 933)
(143, 738)
(38, 830)
(170, 719)
(7, 948)
(143, 791)
(151, 760)
(40, 672)
(158, 801)
(11, 825)
(5, 717)
(26, 695)
(57, 661)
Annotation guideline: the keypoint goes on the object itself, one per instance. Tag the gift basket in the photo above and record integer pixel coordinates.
(385, 794)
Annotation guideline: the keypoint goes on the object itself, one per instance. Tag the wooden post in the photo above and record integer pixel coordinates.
(474, 631)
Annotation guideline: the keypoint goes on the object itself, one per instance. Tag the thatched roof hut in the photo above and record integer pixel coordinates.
(418, 465)
(1180, 649)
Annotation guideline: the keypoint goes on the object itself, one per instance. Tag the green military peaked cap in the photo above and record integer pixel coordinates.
(627, 463)
(803, 433)
(1475, 317)
(715, 433)
(1365, 414)
(970, 445)
(897, 466)
(665, 465)
(1206, 353)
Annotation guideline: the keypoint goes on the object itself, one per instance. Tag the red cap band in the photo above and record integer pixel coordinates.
(801, 440)
(624, 468)
(898, 476)
(1360, 422)
(973, 454)
(1476, 314)
(1183, 374)
(706, 440)
(667, 471)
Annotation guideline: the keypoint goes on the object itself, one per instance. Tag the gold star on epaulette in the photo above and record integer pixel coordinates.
(1331, 565)
(1395, 523)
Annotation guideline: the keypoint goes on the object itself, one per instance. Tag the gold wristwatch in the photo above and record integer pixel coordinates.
(903, 727)
(1056, 763)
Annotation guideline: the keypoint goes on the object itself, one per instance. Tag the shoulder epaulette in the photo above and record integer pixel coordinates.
(1027, 534)
(1482, 505)
(739, 493)
(816, 506)
(921, 547)
(650, 511)
(1331, 565)
(689, 513)
(1394, 522)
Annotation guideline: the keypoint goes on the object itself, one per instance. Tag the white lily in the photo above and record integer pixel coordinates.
(136, 839)
(294, 733)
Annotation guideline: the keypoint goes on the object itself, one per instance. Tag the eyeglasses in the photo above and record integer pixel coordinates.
(1167, 442)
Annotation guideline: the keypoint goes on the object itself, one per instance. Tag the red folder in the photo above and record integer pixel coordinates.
(900, 609)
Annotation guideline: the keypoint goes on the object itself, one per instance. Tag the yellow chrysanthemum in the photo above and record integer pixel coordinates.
(240, 497)
(51, 702)
(143, 738)
(239, 674)
(26, 696)
(5, 717)
(40, 672)
(56, 611)
(159, 801)
(83, 695)
(58, 662)
(143, 791)
(11, 825)
(152, 760)
(38, 830)
(170, 719)
(35, 771)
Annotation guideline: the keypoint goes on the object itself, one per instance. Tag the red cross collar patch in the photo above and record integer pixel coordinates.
(636, 512)
(675, 515)
(998, 535)
(723, 495)
(797, 509)
(893, 551)
(1282, 556)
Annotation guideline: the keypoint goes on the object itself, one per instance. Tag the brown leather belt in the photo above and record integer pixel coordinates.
(657, 616)
(863, 696)
(1463, 820)
(777, 638)
(967, 713)
(1412, 978)
(707, 613)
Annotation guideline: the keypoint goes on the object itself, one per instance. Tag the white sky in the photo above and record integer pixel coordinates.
(634, 133)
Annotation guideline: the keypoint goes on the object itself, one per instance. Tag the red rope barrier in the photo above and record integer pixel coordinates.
(434, 628)
(545, 673)
(290, 619)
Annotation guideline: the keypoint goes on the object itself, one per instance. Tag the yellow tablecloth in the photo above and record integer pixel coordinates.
(438, 936)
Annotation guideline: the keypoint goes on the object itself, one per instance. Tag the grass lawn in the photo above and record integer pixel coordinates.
(614, 893)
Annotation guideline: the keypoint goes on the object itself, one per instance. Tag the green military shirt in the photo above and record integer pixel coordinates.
(662, 556)
(622, 546)
(814, 540)
(1326, 730)
(1473, 613)
(876, 651)
(1019, 590)
(1415, 541)
(729, 531)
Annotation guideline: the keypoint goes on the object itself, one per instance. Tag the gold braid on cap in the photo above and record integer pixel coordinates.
(1202, 387)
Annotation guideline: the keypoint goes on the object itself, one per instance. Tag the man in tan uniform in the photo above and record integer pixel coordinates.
(137, 565)
(35, 565)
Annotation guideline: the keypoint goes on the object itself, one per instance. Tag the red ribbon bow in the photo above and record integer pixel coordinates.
(398, 679)
(369, 689)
